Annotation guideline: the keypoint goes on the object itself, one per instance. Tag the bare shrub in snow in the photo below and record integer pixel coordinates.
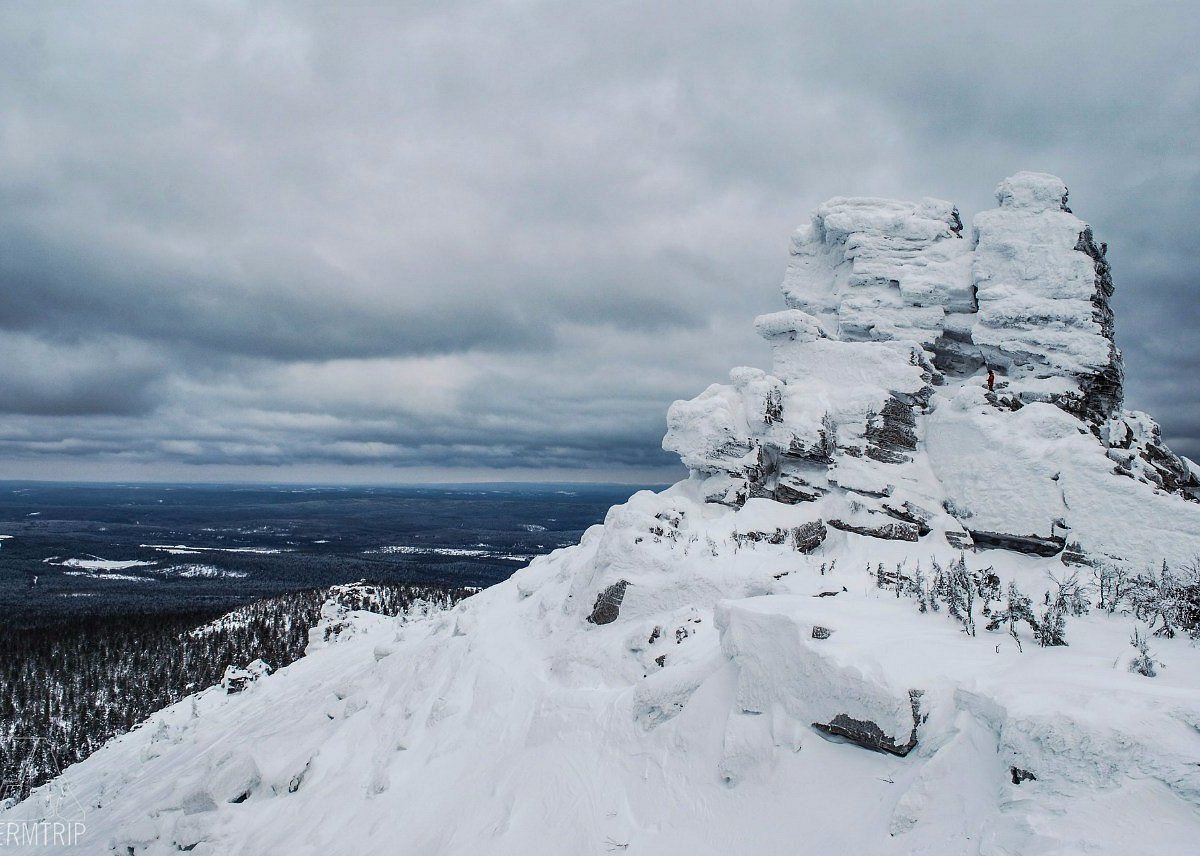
(1070, 595)
(1112, 586)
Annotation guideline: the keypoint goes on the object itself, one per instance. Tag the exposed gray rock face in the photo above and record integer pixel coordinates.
(1104, 391)
(892, 433)
(891, 531)
(608, 603)
(869, 735)
(1019, 775)
(960, 540)
(1035, 545)
(803, 538)
(910, 513)
(1134, 443)
(808, 536)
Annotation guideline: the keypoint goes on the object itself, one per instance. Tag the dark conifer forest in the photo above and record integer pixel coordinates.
(68, 686)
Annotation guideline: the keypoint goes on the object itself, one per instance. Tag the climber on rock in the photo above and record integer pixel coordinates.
(991, 380)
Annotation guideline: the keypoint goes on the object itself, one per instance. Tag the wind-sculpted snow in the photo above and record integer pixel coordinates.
(873, 552)
(511, 724)
(1027, 292)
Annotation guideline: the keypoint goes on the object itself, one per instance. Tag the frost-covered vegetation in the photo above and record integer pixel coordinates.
(1165, 600)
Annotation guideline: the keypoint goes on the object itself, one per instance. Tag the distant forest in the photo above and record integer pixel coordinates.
(67, 687)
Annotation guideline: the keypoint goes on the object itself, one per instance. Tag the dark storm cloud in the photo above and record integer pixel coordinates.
(104, 376)
(42, 288)
(481, 236)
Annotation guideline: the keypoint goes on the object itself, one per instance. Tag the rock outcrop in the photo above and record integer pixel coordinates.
(877, 400)
(608, 603)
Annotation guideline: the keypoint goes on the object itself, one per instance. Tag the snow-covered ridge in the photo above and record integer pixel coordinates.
(873, 551)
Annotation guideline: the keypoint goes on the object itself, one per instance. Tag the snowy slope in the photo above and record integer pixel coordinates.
(694, 676)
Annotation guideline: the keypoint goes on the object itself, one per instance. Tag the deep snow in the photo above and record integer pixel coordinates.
(513, 724)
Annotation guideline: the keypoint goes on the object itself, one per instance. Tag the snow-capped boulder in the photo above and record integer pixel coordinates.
(237, 679)
(348, 610)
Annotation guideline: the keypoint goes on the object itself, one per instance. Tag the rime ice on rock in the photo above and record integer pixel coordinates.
(876, 411)
(235, 680)
(880, 269)
(1043, 287)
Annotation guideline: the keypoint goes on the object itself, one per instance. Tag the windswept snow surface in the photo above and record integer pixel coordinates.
(656, 689)
(512, 725)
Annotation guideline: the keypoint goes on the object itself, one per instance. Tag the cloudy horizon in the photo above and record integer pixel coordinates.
(494, 241)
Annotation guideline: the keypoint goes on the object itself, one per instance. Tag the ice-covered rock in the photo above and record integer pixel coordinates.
(877, 386)
(1043, 287)
(236, 679)
(881, 269)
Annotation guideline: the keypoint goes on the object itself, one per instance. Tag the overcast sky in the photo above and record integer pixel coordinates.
(471, 240)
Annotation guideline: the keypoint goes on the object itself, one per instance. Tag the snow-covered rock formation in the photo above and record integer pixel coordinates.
(877, 399)
(831, 638)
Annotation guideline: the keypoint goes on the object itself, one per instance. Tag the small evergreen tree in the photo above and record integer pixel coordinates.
(1052, 630)
(916, 588)
(958, 590)
(1143, 663)
(1018, 608)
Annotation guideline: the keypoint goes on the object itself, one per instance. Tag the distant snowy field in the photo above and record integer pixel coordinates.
(147, 547)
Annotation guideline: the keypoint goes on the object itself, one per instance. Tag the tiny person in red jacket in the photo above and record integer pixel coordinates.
(991, 380)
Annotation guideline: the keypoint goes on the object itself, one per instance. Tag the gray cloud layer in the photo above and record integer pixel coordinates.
(347, 241)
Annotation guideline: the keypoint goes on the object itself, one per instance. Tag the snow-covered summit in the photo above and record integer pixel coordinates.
(889, 612)
(1026, 293)
(877, 395)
